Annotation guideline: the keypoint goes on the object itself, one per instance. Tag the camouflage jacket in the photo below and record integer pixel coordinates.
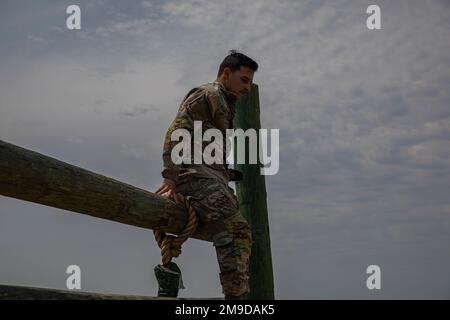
(215, 107)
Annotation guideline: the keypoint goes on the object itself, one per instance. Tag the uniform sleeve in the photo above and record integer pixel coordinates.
(196, 106)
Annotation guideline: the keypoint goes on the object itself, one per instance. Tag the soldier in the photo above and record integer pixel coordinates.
(207, 184)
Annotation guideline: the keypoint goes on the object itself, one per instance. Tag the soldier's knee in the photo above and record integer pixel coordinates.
(233, 229)
(245, 232)
(226, 251)
(233, 248)
(222, 238)
(242, 234)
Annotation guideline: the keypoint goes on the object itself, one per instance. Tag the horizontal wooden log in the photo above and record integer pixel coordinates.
(9, 292)
(30, 293)
(31, 176)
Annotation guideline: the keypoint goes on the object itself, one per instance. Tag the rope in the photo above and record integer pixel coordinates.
(170, 245)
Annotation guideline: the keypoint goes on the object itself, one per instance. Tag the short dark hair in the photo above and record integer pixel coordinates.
(234, 60)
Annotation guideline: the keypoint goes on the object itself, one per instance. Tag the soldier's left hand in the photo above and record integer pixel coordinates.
(167, 189)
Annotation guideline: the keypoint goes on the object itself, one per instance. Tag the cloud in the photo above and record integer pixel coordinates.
(57, 29)
(137, 110)
(135, 28)
(137, 153)
(36, 39)
(148, 4)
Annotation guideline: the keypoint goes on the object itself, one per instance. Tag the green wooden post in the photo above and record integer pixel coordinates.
(251, 192)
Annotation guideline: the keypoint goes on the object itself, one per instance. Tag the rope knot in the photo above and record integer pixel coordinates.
(170, 245)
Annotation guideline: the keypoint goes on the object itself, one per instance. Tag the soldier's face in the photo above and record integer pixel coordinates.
(239, 82)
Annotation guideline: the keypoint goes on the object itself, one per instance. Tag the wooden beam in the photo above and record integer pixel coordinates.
(251, 192)
(8, 292)
(31, 293)
(31, 176)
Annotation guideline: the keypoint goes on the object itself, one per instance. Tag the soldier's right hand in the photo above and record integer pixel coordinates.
(167, 189)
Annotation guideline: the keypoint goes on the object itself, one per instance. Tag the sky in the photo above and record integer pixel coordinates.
(364, 120)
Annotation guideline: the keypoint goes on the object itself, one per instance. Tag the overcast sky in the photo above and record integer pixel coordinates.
(364, 119)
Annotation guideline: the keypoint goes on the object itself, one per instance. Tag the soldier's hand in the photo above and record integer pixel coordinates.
(167, 189)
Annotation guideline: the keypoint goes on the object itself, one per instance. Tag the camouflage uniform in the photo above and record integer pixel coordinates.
(213, 199)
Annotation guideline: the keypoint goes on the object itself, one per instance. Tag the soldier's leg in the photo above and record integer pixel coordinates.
(218, 209)
(233, 248)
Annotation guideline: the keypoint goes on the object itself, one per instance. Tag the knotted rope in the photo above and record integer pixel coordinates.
(170, 245)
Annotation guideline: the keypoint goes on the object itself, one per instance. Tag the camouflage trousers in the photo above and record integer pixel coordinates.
(217, 207)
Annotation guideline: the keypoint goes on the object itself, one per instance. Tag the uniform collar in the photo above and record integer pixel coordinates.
(231, 97)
